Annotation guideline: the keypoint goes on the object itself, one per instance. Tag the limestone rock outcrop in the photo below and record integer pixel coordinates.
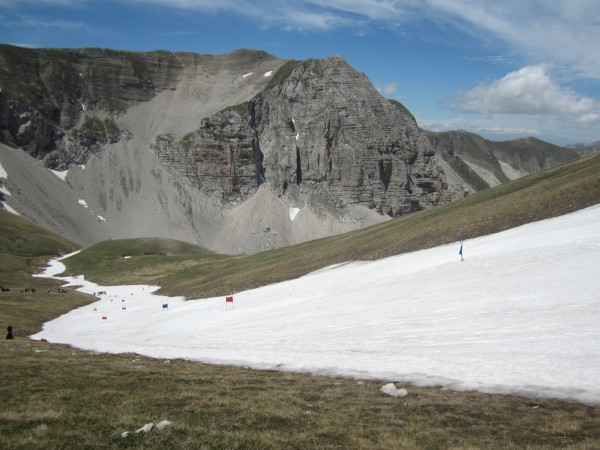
(320, 133)
(220, 159)
(241, 152)
(46, 92)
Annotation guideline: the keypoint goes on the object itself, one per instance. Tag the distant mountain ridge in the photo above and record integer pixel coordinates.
(179, 145)
(586, 149)
(496, 162)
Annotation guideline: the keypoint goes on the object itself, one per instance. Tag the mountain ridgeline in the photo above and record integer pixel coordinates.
(496, 162)
(319, 134)
(219, 150)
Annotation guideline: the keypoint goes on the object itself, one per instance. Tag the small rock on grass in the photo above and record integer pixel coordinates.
(162, 425)
(146, 428)
(149, 427)
(390, 389)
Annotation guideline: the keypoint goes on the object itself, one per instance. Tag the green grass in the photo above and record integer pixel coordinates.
(24, 249)
(145, 260)
(551, 193)
(55, 396)
(60, 397)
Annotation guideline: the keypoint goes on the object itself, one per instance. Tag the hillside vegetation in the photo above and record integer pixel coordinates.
(197, 274)
(24, 248)
(55, 396)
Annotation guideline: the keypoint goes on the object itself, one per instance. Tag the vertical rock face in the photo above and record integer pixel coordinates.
(235, 141)
(327, 125)
(321, 133)
(221, 158)
(46, 91)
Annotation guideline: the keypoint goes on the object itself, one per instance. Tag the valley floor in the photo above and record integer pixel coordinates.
(518, 315)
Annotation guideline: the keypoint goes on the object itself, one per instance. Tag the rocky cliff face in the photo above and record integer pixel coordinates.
(325, 127)
(46, 92)
(221, 159)
(240, 152)
(320, 133)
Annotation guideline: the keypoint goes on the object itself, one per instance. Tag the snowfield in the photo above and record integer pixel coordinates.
(521, 314)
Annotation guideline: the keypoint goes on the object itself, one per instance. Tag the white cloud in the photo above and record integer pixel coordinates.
(529, 91)
(299, 14)
(565, 32)
(559, 130)
(11, 3)
(388, 90)
(371, 9)
(65, 25)
(589, 118)
(490, 129)
(309, 20)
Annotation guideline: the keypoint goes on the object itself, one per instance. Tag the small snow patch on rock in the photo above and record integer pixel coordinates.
(62, 174)
(269, 73)
(3, 173)
(9, 209)
(293, 213)
(390, 389)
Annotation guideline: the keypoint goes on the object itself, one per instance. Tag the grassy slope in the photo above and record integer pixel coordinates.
(551, 193)
(24, 248)
(55, 396)
(59, 397)
(143, 260)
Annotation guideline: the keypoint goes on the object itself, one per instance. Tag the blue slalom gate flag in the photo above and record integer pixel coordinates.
(460, 252)
(165, 305)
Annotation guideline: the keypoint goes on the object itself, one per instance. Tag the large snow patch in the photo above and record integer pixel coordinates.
(519, 315)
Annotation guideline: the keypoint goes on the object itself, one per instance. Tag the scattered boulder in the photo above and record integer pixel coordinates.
(390, 389)
(163, 424)
(149, 427)
(146, 428)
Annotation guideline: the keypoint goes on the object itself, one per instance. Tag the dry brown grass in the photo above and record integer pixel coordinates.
(60, 397)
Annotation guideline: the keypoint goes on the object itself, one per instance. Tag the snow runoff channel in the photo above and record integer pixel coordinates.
(521, 314)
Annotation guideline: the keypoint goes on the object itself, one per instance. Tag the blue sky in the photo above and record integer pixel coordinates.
(499, 68)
